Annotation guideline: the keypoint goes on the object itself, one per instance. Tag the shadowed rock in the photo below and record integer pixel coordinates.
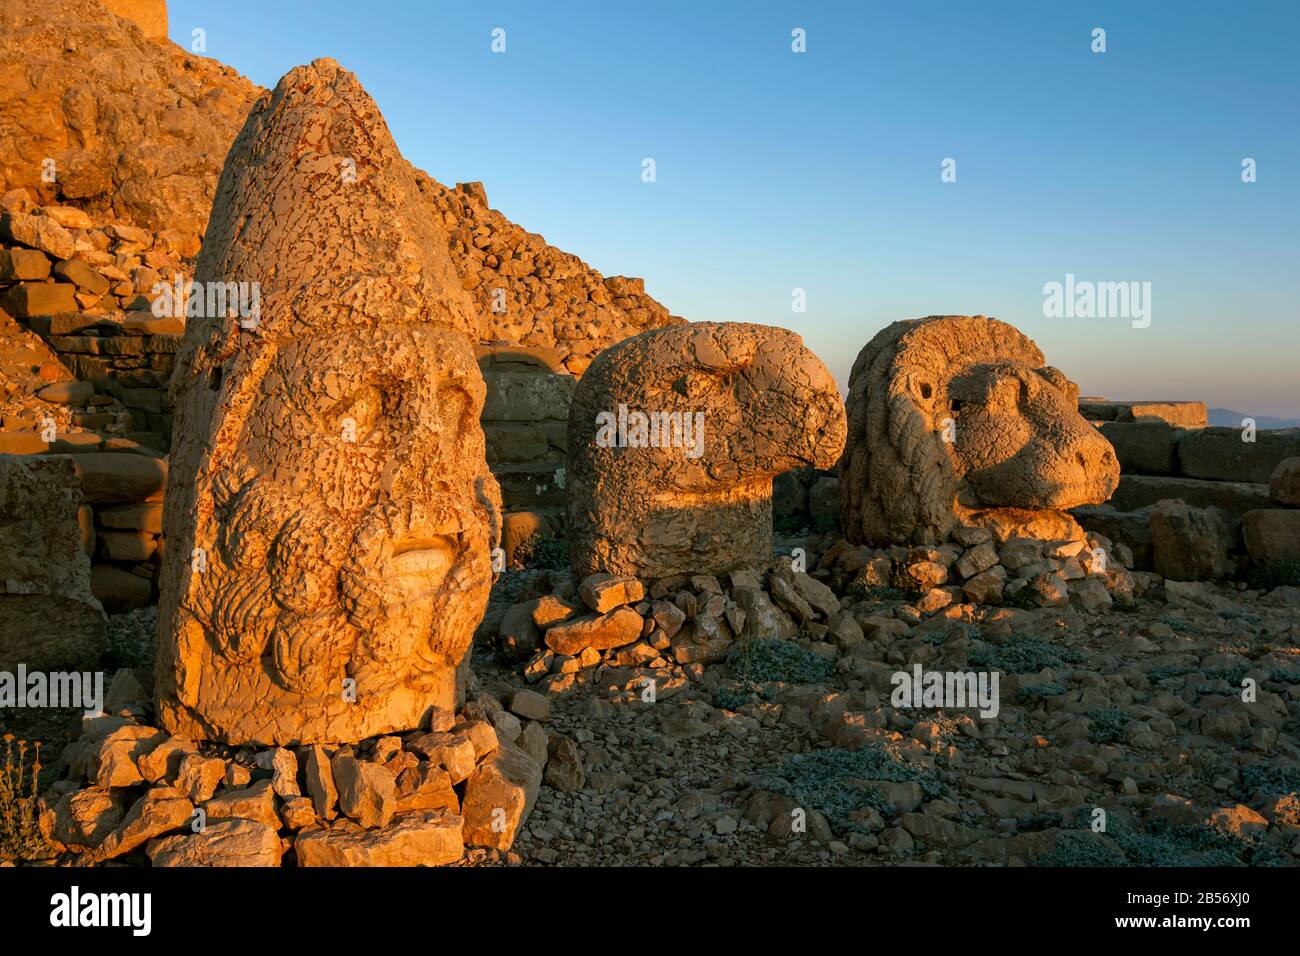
(329, 513)
(675, 436)
(959, 418)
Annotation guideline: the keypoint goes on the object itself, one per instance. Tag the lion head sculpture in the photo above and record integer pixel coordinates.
(952, 415)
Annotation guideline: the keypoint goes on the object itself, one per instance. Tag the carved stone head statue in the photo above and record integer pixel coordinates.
(954, 416)
(330, 515)
(675, 436)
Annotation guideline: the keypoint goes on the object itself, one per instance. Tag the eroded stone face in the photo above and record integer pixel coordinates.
(330, 514)
(959, 418)
(674, 438)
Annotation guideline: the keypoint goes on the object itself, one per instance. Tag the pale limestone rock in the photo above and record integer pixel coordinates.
(499, 796)
(952, 417)
(227, 843)
(329, 464)
(163, 762)
(646, 501)
(530, 704)
(418, 838)
(454, 752)
(1284, 483)
(481, 735)
(252, 803)
(297, 813)
(426, 787)
(159, 811)
(618, 627)
(38, 232)
(83, 818)
(549, 610)
(564, 767)
(367, 791)
(1272, 534)
(114, 758)
(604, 592)
(986, 587)
(1190, 544)
(518, 634)
(284, 765)
(320, 782)
(532, 741)
(199, 776)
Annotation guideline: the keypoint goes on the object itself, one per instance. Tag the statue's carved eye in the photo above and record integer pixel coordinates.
(926, 390)
(957, 404)
(364, 408)
(696, 383)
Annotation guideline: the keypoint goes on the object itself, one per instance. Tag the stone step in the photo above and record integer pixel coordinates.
(1139, 491)
(1184, 414)
(1220, 454)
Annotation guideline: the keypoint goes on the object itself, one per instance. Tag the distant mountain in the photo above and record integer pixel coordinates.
(1226, 416)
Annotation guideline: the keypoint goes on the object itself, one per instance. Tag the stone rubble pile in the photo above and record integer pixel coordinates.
(1140, 714)
(618, 632)
(531, 293)
(104, 113)
(132, 791)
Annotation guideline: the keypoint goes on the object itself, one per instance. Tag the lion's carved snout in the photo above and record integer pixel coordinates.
(1020, 442)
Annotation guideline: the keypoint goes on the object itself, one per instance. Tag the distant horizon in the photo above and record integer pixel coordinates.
(822, 171)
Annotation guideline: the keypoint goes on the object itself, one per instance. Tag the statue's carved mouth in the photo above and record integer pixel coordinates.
(422, 562)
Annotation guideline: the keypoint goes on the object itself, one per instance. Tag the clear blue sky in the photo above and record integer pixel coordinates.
(821, 170)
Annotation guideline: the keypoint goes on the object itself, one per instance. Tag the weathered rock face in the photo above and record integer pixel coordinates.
(330, 514)
(1272, 535)
(99, 114)
(1191, 544)
(958, 417)
(149, 15)
(48, 617)
(675, 436)
(533, 294)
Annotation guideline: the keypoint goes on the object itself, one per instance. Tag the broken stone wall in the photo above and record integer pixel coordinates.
(87, 289)
(82, 364)
(48, 616)
(1196, 501)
